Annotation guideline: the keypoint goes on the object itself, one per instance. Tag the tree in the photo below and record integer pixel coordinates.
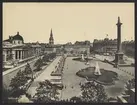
(45, 58)
(130, 85)
(38, 64)
(19, 80)
(93, 92)
(75, 99)
(52, 55)
(5, 93)
(71, 51)
(65, 51)
(28, 71)
(85, 52)
(46, 92)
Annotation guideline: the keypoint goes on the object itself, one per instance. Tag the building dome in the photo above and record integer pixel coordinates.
(18, 37)
(106, 39)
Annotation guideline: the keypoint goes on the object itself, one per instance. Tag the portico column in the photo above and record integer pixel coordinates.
(13, 54)
(27, 53)
(5, 57)
(24, 53)
(17, 54)
(20, 54)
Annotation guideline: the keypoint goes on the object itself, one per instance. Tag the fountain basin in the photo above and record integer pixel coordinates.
(107, 77)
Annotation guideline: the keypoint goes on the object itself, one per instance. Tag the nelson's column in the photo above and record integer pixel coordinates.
(119, 54)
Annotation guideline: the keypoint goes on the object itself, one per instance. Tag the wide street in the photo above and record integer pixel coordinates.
(43, 76)
(9, 74)
(71, 80)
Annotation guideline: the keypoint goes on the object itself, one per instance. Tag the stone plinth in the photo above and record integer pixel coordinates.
(119, 58)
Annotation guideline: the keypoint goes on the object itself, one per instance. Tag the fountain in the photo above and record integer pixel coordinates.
(97, 69)
(82, 57)
(97, 74)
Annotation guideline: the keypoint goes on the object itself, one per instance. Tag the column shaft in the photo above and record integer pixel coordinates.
(20, 54)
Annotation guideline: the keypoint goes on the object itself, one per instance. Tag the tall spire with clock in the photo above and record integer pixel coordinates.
(51, 39)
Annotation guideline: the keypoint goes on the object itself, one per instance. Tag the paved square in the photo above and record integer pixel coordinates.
(71, 80)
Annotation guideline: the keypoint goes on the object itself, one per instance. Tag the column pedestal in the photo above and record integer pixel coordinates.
(119, 58)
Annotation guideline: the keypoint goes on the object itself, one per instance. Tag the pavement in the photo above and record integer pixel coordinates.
(9, 74)
(43, 76)
(18, 67)
(102, 57)
(111, 58)
(70, 79)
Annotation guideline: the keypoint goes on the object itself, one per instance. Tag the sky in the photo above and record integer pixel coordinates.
(70, 22)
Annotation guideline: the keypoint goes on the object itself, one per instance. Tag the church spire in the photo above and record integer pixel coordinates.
(51, 39)
(51, 33)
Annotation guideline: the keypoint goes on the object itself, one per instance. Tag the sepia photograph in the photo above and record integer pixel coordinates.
(68, 52)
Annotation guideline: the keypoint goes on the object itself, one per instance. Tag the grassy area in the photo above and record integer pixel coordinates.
(107, 77)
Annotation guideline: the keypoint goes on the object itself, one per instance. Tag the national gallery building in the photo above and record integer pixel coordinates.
(15, 50)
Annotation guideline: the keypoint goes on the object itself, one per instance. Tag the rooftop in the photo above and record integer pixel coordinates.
(15, 37)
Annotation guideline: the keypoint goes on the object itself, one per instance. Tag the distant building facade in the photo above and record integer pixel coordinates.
(77, 48)
(128, 47)
(51, 47)
(105, 46)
